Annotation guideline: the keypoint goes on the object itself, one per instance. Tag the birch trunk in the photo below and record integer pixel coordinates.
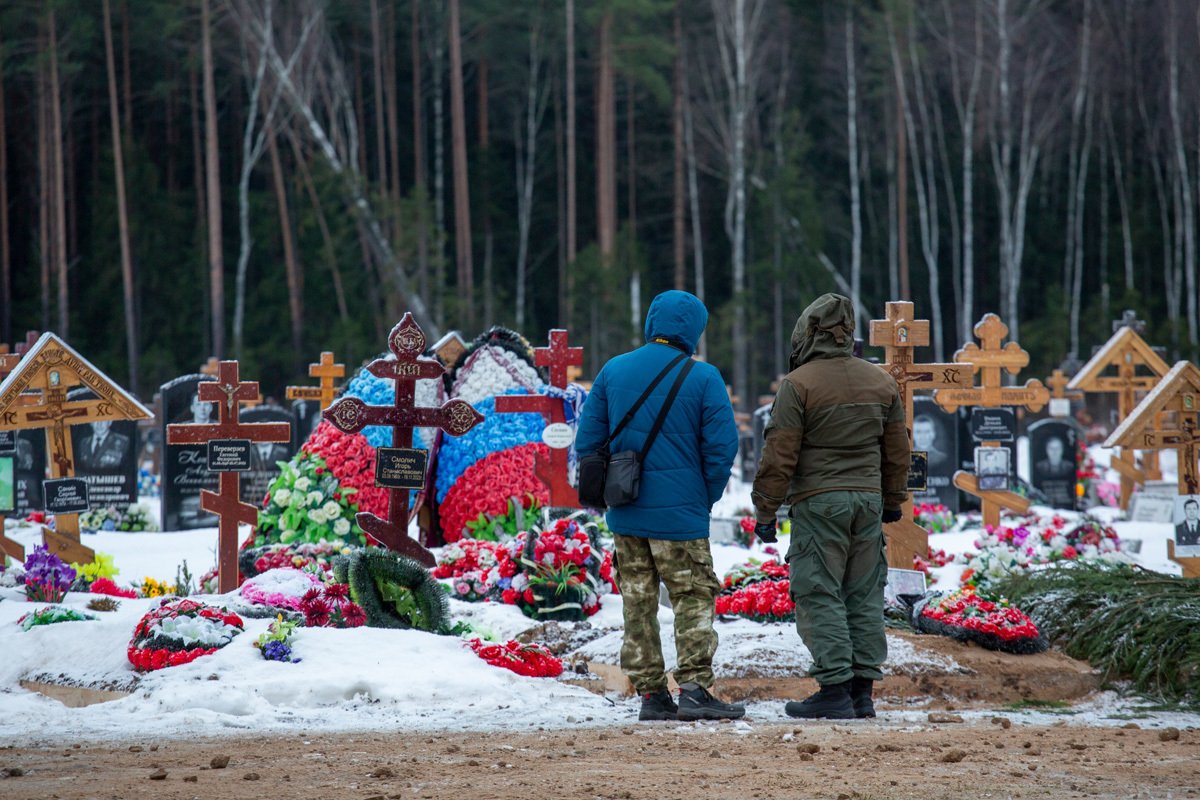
(291, 263)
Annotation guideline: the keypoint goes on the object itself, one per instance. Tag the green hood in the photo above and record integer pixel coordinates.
(824, 330)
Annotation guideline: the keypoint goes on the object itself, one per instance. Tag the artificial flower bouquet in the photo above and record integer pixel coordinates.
(276, 643)
(284, 587)
(108, 587)
(47, 577)
(256, 560)
(51, 615)
(560, 576)
(1005, 551)
(135, 518)
(179, 632)
(307, 504)
(477, 570)
(530, 660)
(101, 567)
(968, 617)
(933, 517)
(754, 571)
(330, 606)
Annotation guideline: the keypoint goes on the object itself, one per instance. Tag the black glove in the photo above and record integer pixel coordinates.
(892, 515)
(765, 531)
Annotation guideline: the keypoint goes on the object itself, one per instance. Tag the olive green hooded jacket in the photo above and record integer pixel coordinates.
(837, 422)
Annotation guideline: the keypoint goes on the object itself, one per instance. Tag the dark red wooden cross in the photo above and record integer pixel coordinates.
(559, 358)
(351, 415)
(228, 392)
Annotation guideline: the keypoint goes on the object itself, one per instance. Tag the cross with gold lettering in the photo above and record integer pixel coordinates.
(34, 396)
(560, 358)
(229, 393)
(899, 334)
(404, 368)
(990, 362)
(326, 372)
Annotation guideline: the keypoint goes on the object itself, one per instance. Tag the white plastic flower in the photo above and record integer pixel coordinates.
(281, 497)
(315, 498)
(318, 516)
(332, 509)
(341, 526)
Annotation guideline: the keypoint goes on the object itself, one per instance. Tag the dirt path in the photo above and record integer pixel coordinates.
(660, 761)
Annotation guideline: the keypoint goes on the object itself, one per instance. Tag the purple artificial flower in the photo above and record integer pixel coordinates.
(47, 577)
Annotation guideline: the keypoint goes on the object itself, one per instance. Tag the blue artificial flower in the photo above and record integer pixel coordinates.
(496, 432)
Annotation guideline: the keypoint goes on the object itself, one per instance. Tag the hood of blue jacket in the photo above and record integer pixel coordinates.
(678, 316)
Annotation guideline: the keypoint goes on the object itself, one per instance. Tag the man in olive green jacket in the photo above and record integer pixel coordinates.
(836, 449)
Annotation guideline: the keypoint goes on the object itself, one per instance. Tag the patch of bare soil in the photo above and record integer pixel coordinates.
(654, 761)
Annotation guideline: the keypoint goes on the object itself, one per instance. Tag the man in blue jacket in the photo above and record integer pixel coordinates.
(663, 535)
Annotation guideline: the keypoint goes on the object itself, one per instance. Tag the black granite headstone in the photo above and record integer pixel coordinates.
(935, 433)
(29, 470)
(265, 456)
(307, 414)
(1053, 453)
(185, 466)
(106, 458)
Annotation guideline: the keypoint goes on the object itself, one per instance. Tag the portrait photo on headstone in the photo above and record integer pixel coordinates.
(992, 466)
(1053, 454)
(935, 434)
(1187, 526)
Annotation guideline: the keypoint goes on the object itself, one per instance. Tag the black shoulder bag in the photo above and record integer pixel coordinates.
(613, 479)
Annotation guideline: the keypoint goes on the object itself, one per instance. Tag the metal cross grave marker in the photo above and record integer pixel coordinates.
(326, 372)
(229, 393)
(351, 415)
(559, 357)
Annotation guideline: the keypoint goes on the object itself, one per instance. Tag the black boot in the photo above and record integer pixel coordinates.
(696, 702)
(658, 706)
(831, 702)
(860, 696)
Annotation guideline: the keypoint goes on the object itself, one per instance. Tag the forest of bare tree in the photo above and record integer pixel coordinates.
(264, 179)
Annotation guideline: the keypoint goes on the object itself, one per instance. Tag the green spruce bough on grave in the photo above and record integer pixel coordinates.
(1129, 623)
(395, 591)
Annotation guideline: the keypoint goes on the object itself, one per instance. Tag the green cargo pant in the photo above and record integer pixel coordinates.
(687, 570)
(838, 568)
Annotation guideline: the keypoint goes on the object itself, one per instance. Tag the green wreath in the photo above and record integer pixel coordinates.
(395, 591)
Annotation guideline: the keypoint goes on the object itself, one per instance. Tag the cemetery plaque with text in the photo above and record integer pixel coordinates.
(229, 455)
(106, 457)
(66, 495)
(401, 467)
(993, 425)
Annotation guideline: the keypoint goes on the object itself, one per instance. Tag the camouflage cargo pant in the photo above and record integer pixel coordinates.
(687, 570)
(838, 562)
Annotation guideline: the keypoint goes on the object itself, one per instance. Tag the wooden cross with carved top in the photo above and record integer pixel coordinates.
(34, 396)
(351, 415)
(229, 393)
(560, 358)
(326, 371)
(899, 334)
(1138, 369)
(990, 362)
(1058, 383)
(1168, 418)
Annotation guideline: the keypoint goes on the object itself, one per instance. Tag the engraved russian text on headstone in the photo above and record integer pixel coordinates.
(66, 495)
(1053, 457)
(918, 472)
(1152, 506)
(106, 457)
(993, 425)
(185, 466)
(229, 455)
(265, 457)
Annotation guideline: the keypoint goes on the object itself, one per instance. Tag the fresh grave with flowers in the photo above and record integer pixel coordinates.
(757, 590)
(966, 616)
(281, 588)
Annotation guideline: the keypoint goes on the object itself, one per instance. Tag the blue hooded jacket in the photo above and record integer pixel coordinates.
(688, 466)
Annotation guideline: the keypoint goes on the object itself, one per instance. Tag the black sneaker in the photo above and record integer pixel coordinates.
(860, 696)
(696, 702)
(831, 702)
(657, 707)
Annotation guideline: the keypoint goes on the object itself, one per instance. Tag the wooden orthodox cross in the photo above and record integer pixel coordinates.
(1126, 366)
(559, 357)
(326, 372)
(229, 392)
(401, 468)
(990, 362)
(34, 395)
(1168, 418)
(899, 334)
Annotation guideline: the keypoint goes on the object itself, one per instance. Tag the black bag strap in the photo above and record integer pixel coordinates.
(641, 400)
(662, 414)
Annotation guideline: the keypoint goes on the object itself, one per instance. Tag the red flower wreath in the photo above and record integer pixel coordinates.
(151, 649)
